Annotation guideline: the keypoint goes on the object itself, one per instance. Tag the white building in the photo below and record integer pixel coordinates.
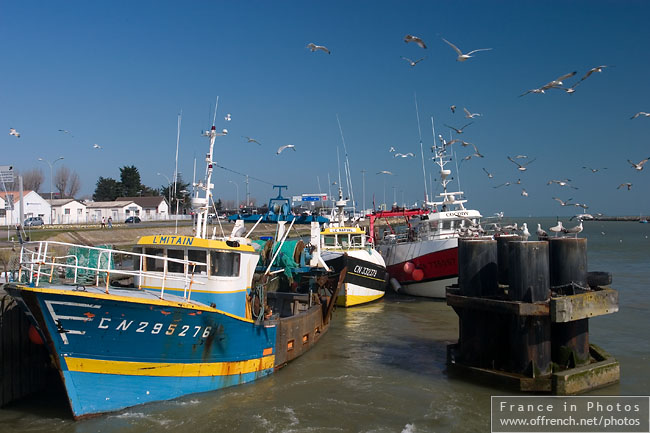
(33, 205)
(153, 207)
(67, 211)
(117, 210)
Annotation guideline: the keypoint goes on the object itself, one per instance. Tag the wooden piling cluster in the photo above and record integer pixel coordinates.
(24, 366)
(524, 309)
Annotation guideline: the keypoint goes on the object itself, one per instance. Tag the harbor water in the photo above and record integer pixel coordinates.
(381, 367)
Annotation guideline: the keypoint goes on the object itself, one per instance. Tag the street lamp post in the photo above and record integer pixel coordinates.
(237, 186)
(169, 190)
(51, 164)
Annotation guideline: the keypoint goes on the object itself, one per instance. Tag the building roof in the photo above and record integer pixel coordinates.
(148, 201)
(61, 201)
(14, 193)
(109, 204)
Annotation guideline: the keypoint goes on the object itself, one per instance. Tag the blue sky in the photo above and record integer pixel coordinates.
(118, 73)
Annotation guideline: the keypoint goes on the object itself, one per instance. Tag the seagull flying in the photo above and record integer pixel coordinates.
(592, 70)
(286, 146)
(404, 155)
(470, 115)
(411, 62)
(313, 47)
(564, 182)
(521, 167)
(384, 172)
(488, 173)
(96, 146)
(557, 83)
(459, 130)
(453, 108)
(563, 202)
(392, 149)
(594, 170)
(462, 57)
(503, 184)
(411, 38)
(628, 185)
(639, 166)
(64, 131)
(640, 113)
(251, 140)
(228, 118)
(12, 131)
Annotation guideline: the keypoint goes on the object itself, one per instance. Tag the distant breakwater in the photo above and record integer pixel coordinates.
(619, 218)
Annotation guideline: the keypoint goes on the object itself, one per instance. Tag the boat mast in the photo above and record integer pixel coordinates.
(202, 204)
(424, 172)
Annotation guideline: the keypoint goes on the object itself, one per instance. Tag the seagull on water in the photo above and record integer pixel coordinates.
(459, 130)
(403, 155)
(286, 146)
(541, 233)
(251, 140)
(521, 167)
(12, 131)
(411, 38)
(640, 113)
(627, 184)
(573, 230)
(411, 62)
(563, 202)
(384, 172)
(96, 146)
(639, 166)
(489, 175)
(462, 57)
(470, 115)
(557, 229)
(313, 47)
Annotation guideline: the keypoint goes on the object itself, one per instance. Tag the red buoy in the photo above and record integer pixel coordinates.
(409, 267)
(417, 274)
(34, 336)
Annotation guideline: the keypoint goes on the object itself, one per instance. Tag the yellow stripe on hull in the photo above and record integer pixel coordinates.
(202, 369)
(352, 300)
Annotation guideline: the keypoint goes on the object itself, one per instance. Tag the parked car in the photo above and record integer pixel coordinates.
(132, 220)
(33, 221)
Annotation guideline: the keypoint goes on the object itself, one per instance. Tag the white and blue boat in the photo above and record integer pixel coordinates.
(181, 315)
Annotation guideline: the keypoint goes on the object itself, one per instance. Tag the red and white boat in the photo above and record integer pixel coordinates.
(421, 251)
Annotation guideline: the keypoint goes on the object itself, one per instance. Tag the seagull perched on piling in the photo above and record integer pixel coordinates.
(541, 233)
(639, 166)
(524, 231)
(462, 57)
(286, 146)
(411, 38)
(573, 230)
(313, 47)
(557, 229)
(12, 131)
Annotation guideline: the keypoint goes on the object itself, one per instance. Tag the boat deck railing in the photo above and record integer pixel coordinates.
(39, 261)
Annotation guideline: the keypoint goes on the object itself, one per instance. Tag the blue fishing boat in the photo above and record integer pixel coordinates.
(178, 315)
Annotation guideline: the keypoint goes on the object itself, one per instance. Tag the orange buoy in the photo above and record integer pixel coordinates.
(417, 274)
(34, 336)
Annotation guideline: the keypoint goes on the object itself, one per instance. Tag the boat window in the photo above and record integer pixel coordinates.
(329, 241)
(433, 225)
(175, 266)
(154, 265)
(197, 256)
(446, 225)
(357, 240)
(224, 264)
(136, 259)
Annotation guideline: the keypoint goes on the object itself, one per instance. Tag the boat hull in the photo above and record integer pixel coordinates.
(366, 277)
(115, 351)
(435, 260)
